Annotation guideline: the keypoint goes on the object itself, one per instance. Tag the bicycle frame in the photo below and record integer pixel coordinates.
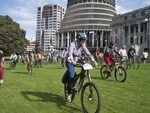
(84, 72)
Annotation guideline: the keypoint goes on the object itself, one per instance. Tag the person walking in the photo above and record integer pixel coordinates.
(2, 64)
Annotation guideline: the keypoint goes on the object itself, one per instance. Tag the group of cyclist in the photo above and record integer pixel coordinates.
(78, 47)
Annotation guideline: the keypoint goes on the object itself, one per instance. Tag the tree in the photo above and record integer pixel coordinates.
(12, 37)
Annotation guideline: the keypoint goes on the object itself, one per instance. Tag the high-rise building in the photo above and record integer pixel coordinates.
(92, 17)
(49, 18)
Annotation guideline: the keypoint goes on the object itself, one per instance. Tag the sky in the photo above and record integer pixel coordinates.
(24, 11)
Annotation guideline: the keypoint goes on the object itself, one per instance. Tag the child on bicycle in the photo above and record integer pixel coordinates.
(109, 52)
(75, 51)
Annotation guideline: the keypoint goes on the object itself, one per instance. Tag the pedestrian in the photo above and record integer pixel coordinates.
(145, 56)
(2, 64)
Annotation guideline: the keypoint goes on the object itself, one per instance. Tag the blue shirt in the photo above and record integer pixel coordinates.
(75, 52)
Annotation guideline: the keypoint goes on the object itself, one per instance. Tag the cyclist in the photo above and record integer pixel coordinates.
(13, 58)
(109, 55)
(123, 53)
(2, 64)
(131, 53)
(75, 51)
(63, 56)
(29, 59)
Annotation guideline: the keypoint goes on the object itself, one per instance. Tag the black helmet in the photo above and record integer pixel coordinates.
(81, 36)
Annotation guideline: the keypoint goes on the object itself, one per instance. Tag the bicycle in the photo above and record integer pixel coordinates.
(90, 94)
(119, 72)
(29, 68)
(135, 62)
(12, 64)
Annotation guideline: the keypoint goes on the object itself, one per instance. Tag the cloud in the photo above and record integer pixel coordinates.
(25, 12)
(121, 10)
(146, 2)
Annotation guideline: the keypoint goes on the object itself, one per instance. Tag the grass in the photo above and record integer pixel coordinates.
(42, 92)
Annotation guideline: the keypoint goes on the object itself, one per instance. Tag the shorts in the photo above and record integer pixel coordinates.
(130, 56)
(109, 60)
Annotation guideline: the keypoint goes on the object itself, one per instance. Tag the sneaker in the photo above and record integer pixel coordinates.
(69, 98)
(1, 82)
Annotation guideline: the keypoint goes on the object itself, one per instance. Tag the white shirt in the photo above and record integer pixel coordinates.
(145, 54)
(123, 52)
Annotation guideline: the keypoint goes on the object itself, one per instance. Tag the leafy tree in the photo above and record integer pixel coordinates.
(12, 37)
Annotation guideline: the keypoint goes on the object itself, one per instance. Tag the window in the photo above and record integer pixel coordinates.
(143, 13)
(125, 18)
(132, 40)
(133, 15)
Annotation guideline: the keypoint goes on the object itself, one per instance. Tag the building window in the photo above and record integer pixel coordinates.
(133, 15)
(55, 6)
(132, 40)
(125, 18)
(141, 40)
(142, 13)
(84, 0)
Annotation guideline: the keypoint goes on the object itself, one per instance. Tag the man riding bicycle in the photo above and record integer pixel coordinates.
(74, 54)
(131, 53)
(29, 59)
(13, 58)
(109, 52)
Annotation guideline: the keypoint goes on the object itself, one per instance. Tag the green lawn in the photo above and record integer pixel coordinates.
(42, 92)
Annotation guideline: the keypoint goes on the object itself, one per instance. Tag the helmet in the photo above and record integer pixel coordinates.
(112, 43)
(81, 36)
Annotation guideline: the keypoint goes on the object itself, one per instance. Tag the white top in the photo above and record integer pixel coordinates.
(123, 52)
(145, 54)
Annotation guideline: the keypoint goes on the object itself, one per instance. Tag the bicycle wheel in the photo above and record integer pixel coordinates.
(103, 72)
(30, 70)
(90, 98)
(120, 74)
(136, 64)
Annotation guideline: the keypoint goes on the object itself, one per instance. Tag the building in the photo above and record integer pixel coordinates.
(49, 18)
(92, 17)
(31, 46)
(132, 28)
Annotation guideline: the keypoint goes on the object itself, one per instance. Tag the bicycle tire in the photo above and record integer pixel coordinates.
(136, 64)
(103, 72)
(84, 101)
(119, 74)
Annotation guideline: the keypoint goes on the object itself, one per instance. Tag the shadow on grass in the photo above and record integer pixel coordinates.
(21, 72)
(49, 97)
(104, 79)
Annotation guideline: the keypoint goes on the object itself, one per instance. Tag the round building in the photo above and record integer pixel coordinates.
(92, 17)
